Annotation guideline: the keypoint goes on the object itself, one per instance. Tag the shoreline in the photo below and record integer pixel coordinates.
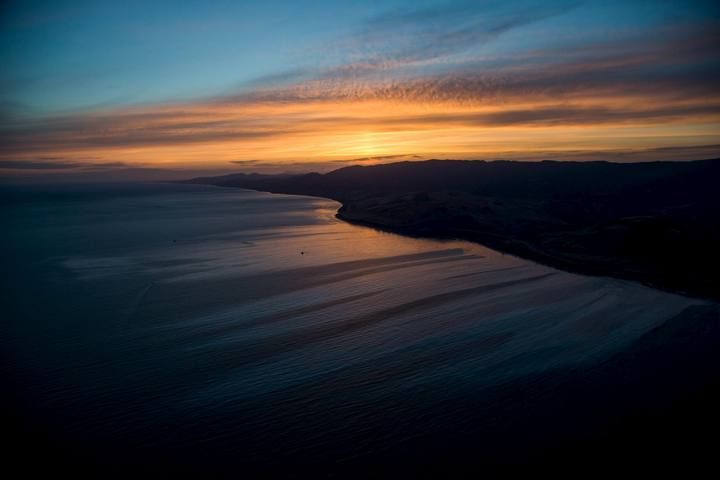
(656, 224)
(518, 248)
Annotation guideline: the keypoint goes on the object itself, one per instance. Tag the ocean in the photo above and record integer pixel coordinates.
(193, 328)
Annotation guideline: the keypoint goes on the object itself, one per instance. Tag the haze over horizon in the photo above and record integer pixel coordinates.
(108, 90)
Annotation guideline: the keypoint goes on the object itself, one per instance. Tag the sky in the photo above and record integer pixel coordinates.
(121, 89)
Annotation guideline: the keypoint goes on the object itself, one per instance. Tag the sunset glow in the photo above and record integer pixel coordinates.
(432, 81)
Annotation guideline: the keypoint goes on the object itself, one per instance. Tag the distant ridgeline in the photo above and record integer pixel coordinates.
(656, 222)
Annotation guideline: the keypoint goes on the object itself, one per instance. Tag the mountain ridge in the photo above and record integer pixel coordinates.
(653, 222)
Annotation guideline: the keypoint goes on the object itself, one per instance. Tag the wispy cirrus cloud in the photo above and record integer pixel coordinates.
(58, 163)
(668, 61)
(385, 158)
(257, 123)
(39, 165)
(245, 162)
(404, 41)
(415, 81)
(426, 33)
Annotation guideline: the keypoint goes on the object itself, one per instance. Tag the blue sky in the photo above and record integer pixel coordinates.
(65, 55)
(278, 83)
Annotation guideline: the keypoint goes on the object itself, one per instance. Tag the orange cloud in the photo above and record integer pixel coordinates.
(588, 103)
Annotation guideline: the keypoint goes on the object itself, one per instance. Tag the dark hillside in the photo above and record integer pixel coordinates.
(656, 222)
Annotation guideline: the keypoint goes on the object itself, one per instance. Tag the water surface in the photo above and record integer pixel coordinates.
(212, 326)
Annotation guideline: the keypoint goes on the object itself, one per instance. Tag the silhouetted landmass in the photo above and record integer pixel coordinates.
(658, 222)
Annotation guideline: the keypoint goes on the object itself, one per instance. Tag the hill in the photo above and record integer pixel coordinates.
(657, 222)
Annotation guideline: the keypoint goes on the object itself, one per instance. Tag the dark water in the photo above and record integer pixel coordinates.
(203, 329)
